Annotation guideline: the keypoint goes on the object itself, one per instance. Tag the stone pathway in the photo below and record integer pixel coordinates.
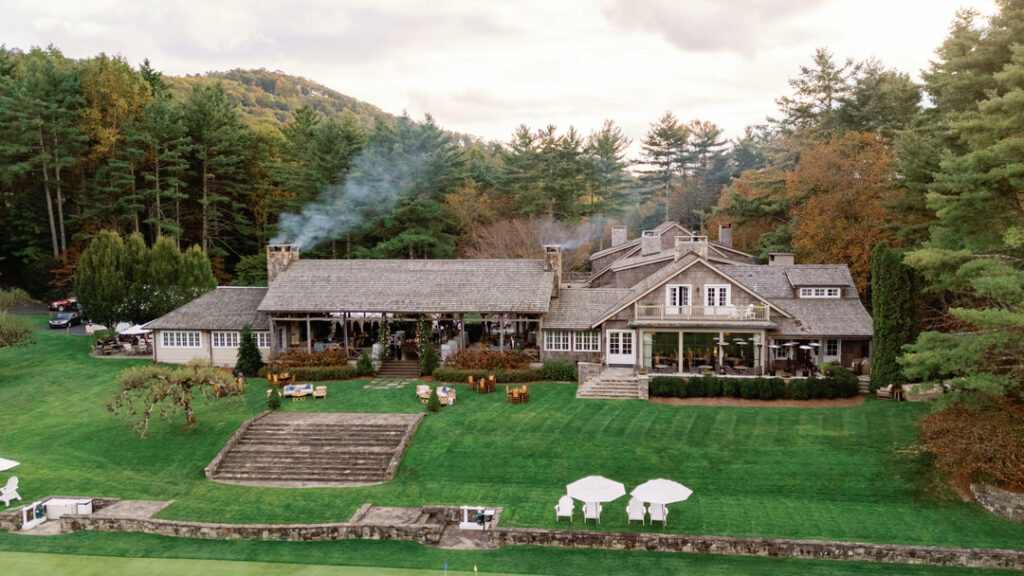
(137, 509)
(388, 383)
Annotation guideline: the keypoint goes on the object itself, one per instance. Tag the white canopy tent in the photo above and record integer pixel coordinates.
(136, 330)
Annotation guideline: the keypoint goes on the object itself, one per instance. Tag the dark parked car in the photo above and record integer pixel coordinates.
(66, 319)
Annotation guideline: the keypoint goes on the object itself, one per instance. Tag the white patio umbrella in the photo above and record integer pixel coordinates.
(661, 491)
(6, 464)
(136, 330)
(595, 489)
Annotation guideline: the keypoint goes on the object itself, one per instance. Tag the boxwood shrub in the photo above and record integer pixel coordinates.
(559, 370)
(753, 388)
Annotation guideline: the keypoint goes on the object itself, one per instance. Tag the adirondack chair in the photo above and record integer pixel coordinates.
(10, 491)
(565, 507)
(592, 511)
(885, 392)
(636, 510)
(659, 512)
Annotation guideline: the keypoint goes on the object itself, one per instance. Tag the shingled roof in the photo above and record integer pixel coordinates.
(580, 308)
(223, 308)
(414, 286)
(812, 317)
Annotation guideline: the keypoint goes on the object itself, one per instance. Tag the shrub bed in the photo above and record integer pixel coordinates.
(298, 359)
(501, 376)
(491, 360)
(559, 370)
(836, 386)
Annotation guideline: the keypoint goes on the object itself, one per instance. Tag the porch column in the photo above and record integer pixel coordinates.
(273, 337)
(462, 331)
(344, 333)
(309, 336)
(501, 331)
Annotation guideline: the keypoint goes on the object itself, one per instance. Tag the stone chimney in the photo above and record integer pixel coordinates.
(619, 235)
(650, 243)
(279, 257)
(725, 235)
(698, 244)
(553, 263)
(781, 259)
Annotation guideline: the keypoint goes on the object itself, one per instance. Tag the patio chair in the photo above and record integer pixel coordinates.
(565, 507)
(10, 491)
(592, 511)
(886, 392)
(423, 392)
(659, 513)
(320, 392)
(636, 510)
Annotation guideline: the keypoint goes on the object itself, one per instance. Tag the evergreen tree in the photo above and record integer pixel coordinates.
(165, 272)
(893, 309)
(138, 290)
(196, 274)
(664, 152)
(249, 359)
(609, 188)
(101, 282)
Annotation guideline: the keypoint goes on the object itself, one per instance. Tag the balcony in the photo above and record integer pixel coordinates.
(657, 312)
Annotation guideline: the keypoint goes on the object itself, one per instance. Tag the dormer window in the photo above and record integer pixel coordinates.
(717, 294)
(820, 292)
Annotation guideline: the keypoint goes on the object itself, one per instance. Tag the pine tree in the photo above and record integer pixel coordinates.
(196, 274)
(249, 359)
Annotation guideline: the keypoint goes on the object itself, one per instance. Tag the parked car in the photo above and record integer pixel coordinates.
(66, 319)
(69, 303)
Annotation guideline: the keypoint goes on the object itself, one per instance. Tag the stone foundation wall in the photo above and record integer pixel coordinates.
(1002, 503)
(585, 370)
(429, 534)
(813, 549)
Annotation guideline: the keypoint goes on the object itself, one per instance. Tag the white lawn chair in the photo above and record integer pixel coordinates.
(636, 510)
(10, 491)
(658, 512)
(592, 511)
(565, 507)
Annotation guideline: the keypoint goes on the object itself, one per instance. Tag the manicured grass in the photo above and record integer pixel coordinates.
(368, 557)
(833, 474)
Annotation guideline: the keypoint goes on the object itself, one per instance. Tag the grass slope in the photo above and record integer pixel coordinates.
(833, 474)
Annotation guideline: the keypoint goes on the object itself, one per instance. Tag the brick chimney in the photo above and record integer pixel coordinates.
(279, 257)
(619, 235)
(553, 263)
(650, 243)
(725, 235)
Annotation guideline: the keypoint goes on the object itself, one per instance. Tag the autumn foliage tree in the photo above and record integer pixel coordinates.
(836, 193)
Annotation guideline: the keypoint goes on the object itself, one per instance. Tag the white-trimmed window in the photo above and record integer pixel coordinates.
(180, 339)
(587, 342)
(717, 294)
(831, 347)
(556, 340)
(781, 353)
(820, 292)
(677, 295)
(262, 339)
(225, 339)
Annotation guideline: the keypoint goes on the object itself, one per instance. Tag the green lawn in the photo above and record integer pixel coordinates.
(834, 474)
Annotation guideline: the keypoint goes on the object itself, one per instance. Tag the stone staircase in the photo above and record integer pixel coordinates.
(864, 383)
(613, 384)
(409, 369)
(304, 449)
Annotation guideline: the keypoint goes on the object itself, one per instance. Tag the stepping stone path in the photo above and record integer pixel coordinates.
(387, 383)
(305, 449)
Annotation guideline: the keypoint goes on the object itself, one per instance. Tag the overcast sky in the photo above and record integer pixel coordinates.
(485, 67)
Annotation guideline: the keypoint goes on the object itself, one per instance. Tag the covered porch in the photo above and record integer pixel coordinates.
(735, 352)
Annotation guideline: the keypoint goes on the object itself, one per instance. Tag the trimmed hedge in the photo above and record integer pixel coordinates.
(503, 376)
(559, 370)
(319, 373)
(837, 386)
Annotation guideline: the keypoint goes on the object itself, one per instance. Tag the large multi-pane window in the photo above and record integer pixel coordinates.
(225, 339)
(557, 341)
(678, 295)
(587, 342)
(819, 292)
(180, 339)
(262, 339)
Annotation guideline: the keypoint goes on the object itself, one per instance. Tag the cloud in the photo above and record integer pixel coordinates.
(714, 25)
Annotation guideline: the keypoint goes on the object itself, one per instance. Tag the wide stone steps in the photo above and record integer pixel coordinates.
(400, 369)
(304, 449)
(611, 389)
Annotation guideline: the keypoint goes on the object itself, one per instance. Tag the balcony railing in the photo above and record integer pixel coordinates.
(695, 313)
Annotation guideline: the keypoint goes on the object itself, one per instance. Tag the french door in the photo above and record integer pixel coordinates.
(621, 347)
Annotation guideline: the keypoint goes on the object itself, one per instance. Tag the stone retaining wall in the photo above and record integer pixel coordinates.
(1002, 503)
(810, 549)
(587, 370)
(10, 520)
(429, 534)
